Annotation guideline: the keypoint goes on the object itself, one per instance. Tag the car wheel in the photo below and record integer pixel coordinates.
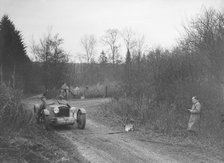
(46, 123)
(81, 120)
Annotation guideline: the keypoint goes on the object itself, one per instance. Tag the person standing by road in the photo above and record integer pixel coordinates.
(195, 116)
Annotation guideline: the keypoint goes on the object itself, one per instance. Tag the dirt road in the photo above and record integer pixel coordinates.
(99, 143)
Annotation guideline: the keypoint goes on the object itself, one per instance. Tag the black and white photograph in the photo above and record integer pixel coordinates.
(111, 81)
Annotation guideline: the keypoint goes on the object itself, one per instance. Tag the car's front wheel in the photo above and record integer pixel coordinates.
(81, 120)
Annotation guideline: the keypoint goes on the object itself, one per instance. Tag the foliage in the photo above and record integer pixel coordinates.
(13, 115)
(158, 86)
(14, 60)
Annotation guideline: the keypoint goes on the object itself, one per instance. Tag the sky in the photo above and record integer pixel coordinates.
(160, 21)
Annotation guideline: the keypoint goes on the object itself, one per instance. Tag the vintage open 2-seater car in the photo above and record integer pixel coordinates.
(61, 113)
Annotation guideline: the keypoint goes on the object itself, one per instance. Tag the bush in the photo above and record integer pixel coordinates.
(13, 115)
(172, 118)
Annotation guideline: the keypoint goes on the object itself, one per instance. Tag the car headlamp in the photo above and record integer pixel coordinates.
(73, 109)
(56, 110)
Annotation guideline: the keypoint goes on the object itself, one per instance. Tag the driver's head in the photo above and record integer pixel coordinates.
(43, 98)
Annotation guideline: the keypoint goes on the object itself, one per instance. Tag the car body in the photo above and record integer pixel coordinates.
(60, 113)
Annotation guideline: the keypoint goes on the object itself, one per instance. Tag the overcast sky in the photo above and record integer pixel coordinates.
(159, 20)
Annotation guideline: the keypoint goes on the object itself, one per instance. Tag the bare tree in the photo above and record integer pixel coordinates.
(89, 45)
(110, 39)
(140, 43)
(53, 58)
(205, 36)
(129, 38)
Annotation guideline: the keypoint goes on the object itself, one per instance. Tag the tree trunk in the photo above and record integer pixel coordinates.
(14, 76)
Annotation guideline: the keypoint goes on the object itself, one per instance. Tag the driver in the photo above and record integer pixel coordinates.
(61, 100)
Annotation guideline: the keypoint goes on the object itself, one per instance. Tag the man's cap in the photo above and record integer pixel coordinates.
(42, 97)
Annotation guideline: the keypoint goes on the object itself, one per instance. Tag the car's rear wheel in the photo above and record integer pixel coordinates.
(81, 120)
(46, 123)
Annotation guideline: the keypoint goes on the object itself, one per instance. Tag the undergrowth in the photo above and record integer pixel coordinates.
(13, 115)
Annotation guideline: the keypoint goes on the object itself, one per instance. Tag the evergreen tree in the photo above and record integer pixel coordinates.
(103, 58)
(13, 54)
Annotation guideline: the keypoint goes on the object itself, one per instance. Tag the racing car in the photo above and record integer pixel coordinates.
(58, 113)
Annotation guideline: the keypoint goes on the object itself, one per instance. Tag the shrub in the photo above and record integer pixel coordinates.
(13, 115)
(172, 118)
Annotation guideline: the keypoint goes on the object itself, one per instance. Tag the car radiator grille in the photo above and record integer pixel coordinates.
(63, 112)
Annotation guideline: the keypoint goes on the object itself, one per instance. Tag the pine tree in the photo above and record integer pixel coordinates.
(103, 58)
(13, 53)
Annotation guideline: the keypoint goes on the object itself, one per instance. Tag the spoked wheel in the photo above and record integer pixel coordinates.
(46, 123)
(81, 120)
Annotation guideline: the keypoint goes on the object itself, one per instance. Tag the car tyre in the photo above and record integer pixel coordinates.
(81, 120)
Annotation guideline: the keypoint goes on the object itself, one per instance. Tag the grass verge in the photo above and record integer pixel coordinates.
(117, 113)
